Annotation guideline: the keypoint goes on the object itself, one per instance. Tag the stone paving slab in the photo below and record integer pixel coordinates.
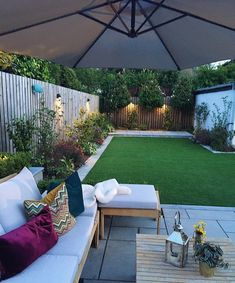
(119, 261)
(211, 214)
(197, 207)
(152, 231)
(135, 222)
(231, 236)
(170, 213)
(106, 281)
(165, 134)
(213, 228)
(123, 233)
(228, 226)
(93, 264)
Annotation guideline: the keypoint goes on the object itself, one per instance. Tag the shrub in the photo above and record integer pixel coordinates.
(69, 78)
(21, 133)
(201, 114)
(13, 163)
(132, 119)
(90, 148)
(168, 121)
(182, 93)
(219, 138)
(150, 95)
(68, 150)
(202, 136)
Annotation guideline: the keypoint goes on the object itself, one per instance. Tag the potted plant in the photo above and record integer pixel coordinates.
(209, 256)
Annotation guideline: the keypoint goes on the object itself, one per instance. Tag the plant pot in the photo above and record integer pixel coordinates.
(205, 270)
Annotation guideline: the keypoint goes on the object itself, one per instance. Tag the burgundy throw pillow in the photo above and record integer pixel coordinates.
(20, 247)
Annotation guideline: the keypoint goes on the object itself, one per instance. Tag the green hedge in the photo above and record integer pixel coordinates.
(13, 163)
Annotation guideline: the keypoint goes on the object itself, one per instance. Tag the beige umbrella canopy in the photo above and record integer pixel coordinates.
(157, 34)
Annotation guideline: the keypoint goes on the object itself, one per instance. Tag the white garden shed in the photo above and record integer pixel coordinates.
(214, 95)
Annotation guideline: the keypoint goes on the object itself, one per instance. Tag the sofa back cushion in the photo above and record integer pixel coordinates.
(2, 232)
(12, 195)
(20, 247)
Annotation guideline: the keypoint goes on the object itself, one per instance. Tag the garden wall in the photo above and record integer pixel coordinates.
(18, 99)
(213, 95)
(153, 119)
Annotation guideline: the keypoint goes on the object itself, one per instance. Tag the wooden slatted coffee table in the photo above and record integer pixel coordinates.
(151, 265)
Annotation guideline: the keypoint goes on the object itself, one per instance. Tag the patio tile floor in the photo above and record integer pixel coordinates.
(114, 260)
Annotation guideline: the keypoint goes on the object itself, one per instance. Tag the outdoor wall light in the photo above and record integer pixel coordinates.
(58, 95)
(37, 88)
(88, 100)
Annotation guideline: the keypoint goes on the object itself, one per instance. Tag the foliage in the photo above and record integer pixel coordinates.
(132, 119)
(69, 78)
(201, 114)
(202, 136)
(219, 138)
(89, 130)
(150, 95)
(13, 163)
(167, 80)
(32, 67)
(114, 93)
(143, 127)
(5, 60)
(199, 228)
(90, 148)
(45, 135)
(89, 79)
(182, 93)
(168, 121)
(67, 156)
(21, 133)
(221, 118)
(210, 254)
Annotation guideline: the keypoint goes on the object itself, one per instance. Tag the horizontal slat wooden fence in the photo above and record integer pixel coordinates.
(17, 100)
(153, 119)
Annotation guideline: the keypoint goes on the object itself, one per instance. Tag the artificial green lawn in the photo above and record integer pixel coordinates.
(184, 172)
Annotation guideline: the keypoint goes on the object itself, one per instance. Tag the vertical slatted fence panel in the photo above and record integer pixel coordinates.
(17, 100)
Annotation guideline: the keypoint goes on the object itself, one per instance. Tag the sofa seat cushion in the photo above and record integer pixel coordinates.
(74, 242)
(48, 268)
(21, 247)
(90, 211)
(12, 195)
(141, 197)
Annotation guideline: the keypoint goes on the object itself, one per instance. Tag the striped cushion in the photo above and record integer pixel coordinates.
(63, 221)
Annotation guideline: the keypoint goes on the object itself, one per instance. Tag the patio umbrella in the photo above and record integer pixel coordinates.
(157, 34)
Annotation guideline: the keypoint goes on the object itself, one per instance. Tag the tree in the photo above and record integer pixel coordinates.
(114, 93)
(150, 95)
(69, 78)
(182, 96)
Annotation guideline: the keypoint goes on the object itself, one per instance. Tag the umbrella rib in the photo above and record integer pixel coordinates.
(150, 15)
(57, 18)
(192, 15)
(98, 37)
(158, 35)
(103, 23)
(162, 24)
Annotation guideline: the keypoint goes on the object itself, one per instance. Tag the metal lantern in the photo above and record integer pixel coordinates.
(177, 245)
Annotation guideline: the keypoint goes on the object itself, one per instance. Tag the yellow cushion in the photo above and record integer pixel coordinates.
(48, 199)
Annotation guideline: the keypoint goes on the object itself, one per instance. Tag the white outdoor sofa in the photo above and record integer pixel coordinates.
(64, 262)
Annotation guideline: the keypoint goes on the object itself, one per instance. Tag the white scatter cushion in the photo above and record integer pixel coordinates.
(12, 195)
(89, 198)
(105, 191)
(2, 232)
(124, 190)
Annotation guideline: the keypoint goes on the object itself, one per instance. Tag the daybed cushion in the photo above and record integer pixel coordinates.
(74, 242)
(48, 268)
(21, 247)
(2, 232)
(141, 197)
(12, 194)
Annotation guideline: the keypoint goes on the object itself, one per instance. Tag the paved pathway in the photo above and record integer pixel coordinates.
(156, 134)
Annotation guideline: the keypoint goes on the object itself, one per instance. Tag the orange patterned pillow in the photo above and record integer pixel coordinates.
(63, 221)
